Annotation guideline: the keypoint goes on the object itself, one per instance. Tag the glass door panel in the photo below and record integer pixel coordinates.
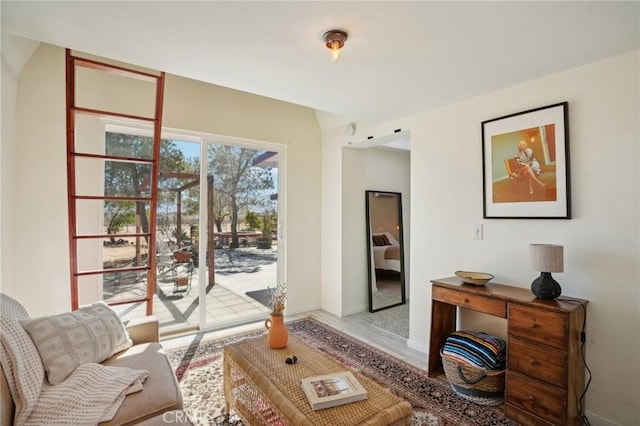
(177, 283)
(241, 242)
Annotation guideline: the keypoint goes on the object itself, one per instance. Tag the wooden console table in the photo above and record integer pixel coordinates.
(545, 371)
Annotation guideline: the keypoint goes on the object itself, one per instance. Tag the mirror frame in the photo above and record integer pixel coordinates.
(370, 263)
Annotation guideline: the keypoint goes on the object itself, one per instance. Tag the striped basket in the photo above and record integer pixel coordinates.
(482, 386)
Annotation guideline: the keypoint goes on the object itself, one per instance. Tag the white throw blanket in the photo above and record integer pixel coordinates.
(92, 394)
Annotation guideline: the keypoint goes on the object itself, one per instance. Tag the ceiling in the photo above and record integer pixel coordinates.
(400, 59)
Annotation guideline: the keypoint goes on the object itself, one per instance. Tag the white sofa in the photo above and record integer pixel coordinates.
(160, 393)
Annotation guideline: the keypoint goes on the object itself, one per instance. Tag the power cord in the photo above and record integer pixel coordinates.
(583, 338)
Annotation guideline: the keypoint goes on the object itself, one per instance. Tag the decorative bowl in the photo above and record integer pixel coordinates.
(476, 278)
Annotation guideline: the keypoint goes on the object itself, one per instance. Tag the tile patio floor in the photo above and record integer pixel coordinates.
(237, 272)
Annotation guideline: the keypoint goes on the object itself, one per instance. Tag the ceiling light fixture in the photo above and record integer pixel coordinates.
(334, 40)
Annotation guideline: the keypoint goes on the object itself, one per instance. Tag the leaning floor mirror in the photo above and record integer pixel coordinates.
(385, 250)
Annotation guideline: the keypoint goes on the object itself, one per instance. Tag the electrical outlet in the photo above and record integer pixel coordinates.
(477, 232)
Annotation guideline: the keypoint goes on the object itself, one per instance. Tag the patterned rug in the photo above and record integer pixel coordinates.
(199, 371)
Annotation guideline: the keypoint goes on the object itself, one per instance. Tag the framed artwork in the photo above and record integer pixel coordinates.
(525, 166)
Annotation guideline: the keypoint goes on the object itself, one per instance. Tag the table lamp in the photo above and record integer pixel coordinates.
(546, 258)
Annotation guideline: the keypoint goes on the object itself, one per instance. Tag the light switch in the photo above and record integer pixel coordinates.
(477, 232)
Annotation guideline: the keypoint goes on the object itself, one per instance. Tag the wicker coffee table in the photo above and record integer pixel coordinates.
(264, 390)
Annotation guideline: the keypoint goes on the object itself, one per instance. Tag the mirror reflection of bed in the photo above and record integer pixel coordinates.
(385, 249)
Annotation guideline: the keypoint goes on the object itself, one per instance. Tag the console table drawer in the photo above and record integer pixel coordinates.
(470, 301)
(536, 361)
(544, 401)
(538, 325)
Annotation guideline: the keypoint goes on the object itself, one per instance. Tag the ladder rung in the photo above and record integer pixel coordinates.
(114, 157)
(126, 301)
(115, 69)
(109, 198)
(98, 236)
(112, 114)
(111, 271)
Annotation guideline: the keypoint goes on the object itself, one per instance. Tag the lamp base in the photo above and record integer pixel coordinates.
(545, 287)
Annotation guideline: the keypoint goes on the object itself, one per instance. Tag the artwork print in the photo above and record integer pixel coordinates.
(525, 164)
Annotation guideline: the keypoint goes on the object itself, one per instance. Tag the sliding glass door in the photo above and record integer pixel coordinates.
(218, 247)
(242, 247)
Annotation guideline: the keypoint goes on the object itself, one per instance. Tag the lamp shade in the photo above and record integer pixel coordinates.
(547, 257)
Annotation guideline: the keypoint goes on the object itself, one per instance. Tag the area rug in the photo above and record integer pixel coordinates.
(198, 368)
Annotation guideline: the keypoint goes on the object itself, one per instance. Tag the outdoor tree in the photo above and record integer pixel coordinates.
(221, 208)
(240, 180)
(191, 196)
(181, 186)
(269, 223)
(133, 179)
(117, 215)
(252, 221)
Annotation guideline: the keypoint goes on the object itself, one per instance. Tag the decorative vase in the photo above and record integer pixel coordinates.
(278, 334)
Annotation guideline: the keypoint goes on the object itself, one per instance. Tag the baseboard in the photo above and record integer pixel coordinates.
(595, 420)
(414, 344)
(301, 311)
(355, 310)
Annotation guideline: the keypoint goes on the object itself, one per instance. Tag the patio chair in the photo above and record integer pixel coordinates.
(169, 261)
(164, 258)
(183, 279)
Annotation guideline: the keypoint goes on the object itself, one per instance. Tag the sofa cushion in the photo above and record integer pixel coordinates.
(160, 392)
(20, 360)
(65, 341)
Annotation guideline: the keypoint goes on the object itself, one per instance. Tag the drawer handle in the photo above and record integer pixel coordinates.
(531, 398)
(465, 300)
(534, 325)
(480, 376)
(533, 362)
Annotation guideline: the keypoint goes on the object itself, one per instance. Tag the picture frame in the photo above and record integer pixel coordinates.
(525, 164)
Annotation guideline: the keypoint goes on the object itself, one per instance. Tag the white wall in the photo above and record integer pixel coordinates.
(332, 266)
(368, 169)
(39, 251)
(601, 241)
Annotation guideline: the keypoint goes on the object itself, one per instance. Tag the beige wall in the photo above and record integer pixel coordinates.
(15, 53)
(601, 241)
(39, 252)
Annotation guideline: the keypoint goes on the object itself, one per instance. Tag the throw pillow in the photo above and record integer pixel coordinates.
(65, 341)
(381, 240)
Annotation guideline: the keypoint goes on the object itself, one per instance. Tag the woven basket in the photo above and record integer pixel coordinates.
(484, 387)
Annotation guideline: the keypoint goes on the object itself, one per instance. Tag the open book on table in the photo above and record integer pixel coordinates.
(333, 389)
